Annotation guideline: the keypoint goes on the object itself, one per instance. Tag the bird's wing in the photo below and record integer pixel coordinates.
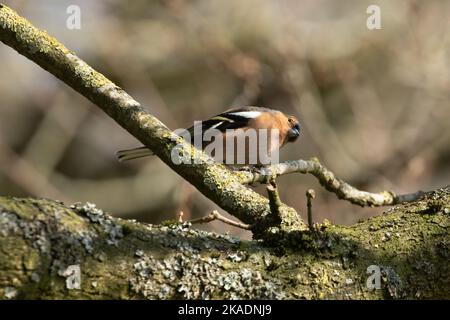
(230, 119)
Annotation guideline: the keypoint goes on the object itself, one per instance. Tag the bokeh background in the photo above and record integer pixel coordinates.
(374, 104)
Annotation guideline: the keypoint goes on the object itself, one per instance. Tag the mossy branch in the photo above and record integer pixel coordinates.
(328, 180)
(50, 251)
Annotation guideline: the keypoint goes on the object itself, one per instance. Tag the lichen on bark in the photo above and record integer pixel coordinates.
(123, 259)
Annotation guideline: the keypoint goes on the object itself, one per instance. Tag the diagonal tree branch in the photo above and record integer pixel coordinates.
(213, 180)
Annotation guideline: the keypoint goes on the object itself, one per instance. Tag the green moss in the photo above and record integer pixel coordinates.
(169, 223)
(409, 244)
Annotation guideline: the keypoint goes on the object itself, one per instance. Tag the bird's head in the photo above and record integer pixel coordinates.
(294, 129)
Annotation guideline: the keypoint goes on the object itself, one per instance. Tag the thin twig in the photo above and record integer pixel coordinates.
(215, 215)
(274, 198)
(180, 216)
(310, 194)
(329, 181)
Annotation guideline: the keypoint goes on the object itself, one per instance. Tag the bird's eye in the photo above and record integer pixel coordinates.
(290, 120)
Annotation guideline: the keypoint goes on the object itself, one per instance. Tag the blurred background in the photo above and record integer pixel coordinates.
(373, 104)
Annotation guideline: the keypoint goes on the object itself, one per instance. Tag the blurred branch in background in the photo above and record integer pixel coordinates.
(53, 135)
(25, 175)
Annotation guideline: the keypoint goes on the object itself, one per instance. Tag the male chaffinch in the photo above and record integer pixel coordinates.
(229, 123)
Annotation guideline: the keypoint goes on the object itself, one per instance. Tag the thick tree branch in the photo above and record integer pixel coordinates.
(50, 251)
(213, 180)
(328, 180)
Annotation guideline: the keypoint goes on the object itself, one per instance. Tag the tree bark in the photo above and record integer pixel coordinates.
(43, 243)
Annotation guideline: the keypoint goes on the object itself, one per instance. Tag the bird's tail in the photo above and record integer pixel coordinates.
(130, 154)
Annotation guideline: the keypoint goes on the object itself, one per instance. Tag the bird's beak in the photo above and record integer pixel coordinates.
(293, 134)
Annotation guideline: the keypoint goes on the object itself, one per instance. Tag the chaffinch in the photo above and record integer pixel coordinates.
(233, 123)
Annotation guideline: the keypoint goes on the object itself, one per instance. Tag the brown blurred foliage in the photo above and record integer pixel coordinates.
(373, 104)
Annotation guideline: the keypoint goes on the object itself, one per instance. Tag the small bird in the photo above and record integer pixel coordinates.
(233, 123)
